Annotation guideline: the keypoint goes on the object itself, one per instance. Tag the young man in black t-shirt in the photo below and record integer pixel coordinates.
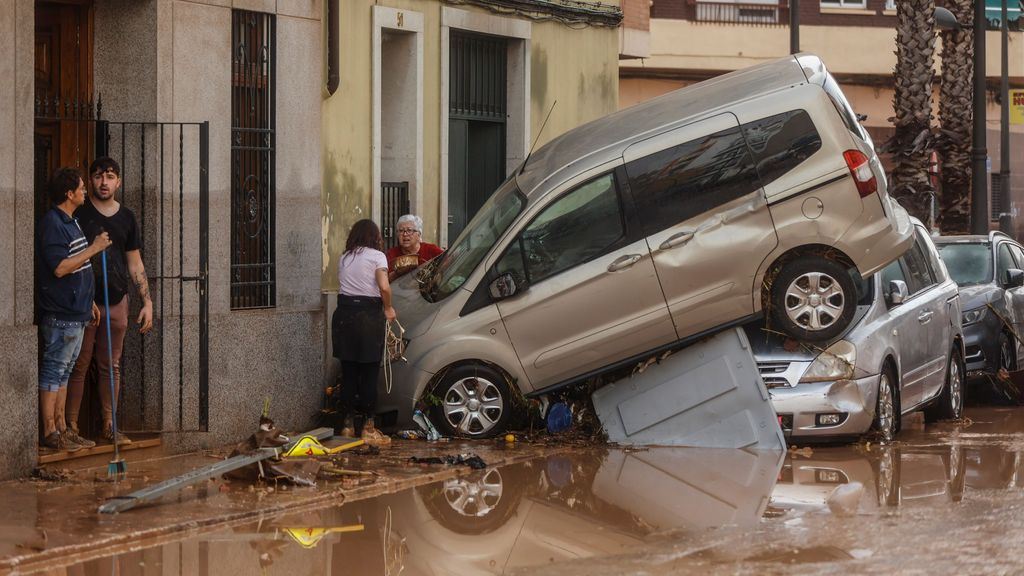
(101, 212)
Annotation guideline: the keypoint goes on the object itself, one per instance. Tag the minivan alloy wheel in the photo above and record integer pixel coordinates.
(814, 301)
(472, 400)
(473, 405)
(956, 388)
(812, 298)
(886, 416)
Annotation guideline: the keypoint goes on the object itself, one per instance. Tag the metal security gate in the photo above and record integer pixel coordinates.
(394, 199)
(477, 110)
(165, 182)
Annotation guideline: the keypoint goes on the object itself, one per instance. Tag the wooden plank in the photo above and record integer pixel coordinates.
(129, 501)
(48, 456)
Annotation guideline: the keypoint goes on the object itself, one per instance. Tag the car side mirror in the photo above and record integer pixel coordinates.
(897, 292)
(1014, 278)
(504, 286)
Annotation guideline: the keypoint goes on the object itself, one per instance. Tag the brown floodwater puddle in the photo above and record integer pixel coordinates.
(612, 510)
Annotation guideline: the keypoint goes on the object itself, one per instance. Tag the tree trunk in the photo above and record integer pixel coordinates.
(955, 120)
(912, 102)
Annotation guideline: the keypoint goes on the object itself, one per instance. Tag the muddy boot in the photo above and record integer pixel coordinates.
(348, 429)
(374, 437)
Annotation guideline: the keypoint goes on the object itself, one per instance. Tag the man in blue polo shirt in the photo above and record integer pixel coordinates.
(65, 294)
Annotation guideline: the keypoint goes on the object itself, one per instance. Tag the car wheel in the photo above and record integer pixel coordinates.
(477, 503)
(1007, 353)
(950, 405)
(475, 402)
(813, 298)
(957, 473)
(887, 409)
(887, 477)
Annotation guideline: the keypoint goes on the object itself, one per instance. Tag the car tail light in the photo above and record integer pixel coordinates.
(860, 168)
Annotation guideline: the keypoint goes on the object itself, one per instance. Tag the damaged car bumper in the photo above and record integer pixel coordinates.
(826, 409)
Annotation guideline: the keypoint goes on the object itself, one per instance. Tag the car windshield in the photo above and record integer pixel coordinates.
(968, 263)
(475, 241)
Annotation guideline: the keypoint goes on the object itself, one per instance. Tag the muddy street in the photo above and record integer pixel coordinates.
(942, 499)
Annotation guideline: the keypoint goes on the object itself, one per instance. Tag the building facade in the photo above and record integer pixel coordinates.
(439, 101)
(252, 134)
(212, 108)
(692, 40)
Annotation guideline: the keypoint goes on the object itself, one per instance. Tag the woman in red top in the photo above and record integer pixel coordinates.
(411, 251)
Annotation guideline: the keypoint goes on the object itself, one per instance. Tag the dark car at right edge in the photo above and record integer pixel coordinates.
(990, 273)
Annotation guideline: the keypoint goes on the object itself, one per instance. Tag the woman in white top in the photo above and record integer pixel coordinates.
(358, 325)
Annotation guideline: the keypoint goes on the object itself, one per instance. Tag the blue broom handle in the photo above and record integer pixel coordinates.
(110, 349)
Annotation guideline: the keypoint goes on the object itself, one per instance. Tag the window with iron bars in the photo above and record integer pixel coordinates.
(253, 275)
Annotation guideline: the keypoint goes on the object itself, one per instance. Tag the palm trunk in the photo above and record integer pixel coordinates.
(912, 102)
(955, 120)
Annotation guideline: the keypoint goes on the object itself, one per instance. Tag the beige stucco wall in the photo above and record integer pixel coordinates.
(577, 67)
(685, 45)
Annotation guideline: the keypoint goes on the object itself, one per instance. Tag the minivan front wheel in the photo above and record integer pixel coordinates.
(475, 402)
(813, 298)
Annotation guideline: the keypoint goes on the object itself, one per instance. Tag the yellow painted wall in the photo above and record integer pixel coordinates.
(577, 67)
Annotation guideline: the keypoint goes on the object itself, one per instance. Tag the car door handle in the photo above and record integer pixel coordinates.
(677, 239)
(925, 316)
(623, 262)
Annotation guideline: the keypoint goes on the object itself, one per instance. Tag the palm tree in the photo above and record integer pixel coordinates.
(955, 120)
(912, 102)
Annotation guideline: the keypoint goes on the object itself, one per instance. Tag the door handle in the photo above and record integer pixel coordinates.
(623, 262)
(925, 317)
(677, 239)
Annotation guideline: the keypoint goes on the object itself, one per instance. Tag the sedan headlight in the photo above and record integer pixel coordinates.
(972, 316)
(835, 363)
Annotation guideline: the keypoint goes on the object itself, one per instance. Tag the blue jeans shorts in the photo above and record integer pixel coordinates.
(62, 341)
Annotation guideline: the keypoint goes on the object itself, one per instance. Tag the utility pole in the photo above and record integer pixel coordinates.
(794, 26)
(1004, 123)
(979, 150)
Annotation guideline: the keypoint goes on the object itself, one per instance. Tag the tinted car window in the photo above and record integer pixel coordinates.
(576, 228)
(968, 263)
(919, 272)
(681, 182)
(781, 142)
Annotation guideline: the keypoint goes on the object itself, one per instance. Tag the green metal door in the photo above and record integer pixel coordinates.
(476, 124)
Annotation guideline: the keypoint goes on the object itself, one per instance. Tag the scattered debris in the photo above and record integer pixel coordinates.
(48, 475)
(471, 460)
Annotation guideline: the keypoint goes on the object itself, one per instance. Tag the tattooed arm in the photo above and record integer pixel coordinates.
(137, 270)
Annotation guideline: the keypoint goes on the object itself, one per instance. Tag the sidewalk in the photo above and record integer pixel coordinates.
(55, 522)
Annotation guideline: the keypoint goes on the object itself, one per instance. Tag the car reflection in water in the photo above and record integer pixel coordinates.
(846, 481)
(573, 506)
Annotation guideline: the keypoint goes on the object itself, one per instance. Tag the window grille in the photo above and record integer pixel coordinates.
(253, 77)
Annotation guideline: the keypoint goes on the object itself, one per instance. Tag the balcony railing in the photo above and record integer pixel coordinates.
(756, 14)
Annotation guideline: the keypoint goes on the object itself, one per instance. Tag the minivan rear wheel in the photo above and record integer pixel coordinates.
(813, 298)
(950, 405)
(475, 402)
(887, 409)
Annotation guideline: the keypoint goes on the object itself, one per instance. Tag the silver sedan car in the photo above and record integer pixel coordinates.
(903, 352)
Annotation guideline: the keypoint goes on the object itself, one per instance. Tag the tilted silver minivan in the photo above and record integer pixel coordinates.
(646, 230)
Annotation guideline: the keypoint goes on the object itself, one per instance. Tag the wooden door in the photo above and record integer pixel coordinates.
(63, 90)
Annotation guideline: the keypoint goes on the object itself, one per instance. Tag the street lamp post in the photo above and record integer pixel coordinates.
(979, 150)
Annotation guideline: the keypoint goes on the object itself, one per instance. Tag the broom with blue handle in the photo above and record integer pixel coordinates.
(117, 467)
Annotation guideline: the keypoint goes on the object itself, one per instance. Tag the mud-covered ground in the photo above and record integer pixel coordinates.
(943, 499)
